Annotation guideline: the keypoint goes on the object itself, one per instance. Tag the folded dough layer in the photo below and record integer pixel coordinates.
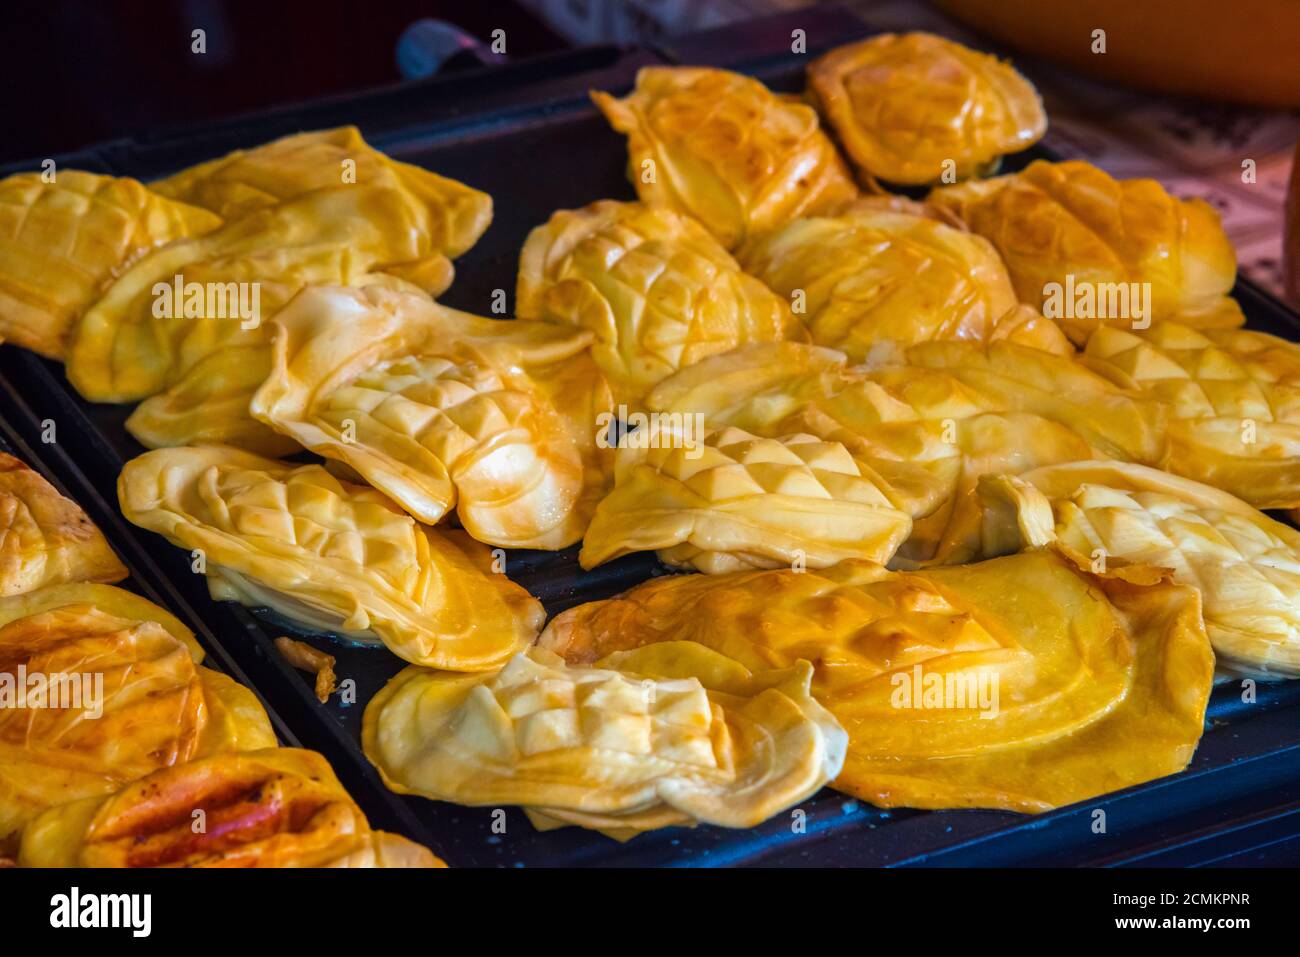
(331, 555)
(1020, 683)
(674, 734)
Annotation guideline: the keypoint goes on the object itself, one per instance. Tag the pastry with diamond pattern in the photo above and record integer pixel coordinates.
(1113, 515)
(1073, 225)
(1234, 400)
(671, 734)
(728, 500)
(1019, 683)
(444, 410)
(870, 277)
(63, 242)
(331, 556)
(726, 150)
(655, 288)
(909, 108)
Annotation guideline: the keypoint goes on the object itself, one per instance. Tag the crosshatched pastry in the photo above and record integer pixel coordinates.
(725, 149)
(444, 410)
(671, 734)
(247, 180)
(931, 425)
(655, 288)
(281, 807)
(728, 500)
(1234, 399)
(909, 108)
(1069, 231)
(875, 275)
(1019, 683)
(102, 687)
(1137, 521)
(331, 555)
(395, 225)
(62, 242)
(46, 539)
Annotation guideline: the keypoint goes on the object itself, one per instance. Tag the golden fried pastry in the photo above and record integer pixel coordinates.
(1074, 239)
(441, 409)
(672, 734)
(728, 500)
(870, 277)
(98, 687)
(1114, 515)
(904, 105)
(929, 428)
(1234, 401)
(725, 149)
(281, 807)
(655, 288)
(331, 555)
(62, 242)
(248, 180)
(46, 539)
(1019, 683)
(193, 318)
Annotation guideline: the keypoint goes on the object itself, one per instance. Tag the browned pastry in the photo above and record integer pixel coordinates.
(281, 807)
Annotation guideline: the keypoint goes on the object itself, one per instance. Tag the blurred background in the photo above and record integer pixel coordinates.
(1186, 91)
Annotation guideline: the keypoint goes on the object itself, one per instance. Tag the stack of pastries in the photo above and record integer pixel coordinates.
(862, 422)
(118, 748)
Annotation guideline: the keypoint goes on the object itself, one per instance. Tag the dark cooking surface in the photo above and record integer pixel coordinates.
(527, 135)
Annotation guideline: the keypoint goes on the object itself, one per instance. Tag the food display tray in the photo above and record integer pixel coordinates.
(527, 134)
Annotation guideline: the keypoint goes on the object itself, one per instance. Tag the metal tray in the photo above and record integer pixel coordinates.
(527, 134)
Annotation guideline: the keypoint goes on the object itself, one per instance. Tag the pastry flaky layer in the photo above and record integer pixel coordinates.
(331, 555)
(726, 500)
(880, 275)
(184, 327)
(1021, 683)
(443, 410)
(911, 108)
(930, 425)
(279, 807)
(45, 538)
(725, 149)
(1234, 397)
(65, 237)
(672, 734)
(102, 687)
(654, 288)
(1091, 250)
(1135, 521)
